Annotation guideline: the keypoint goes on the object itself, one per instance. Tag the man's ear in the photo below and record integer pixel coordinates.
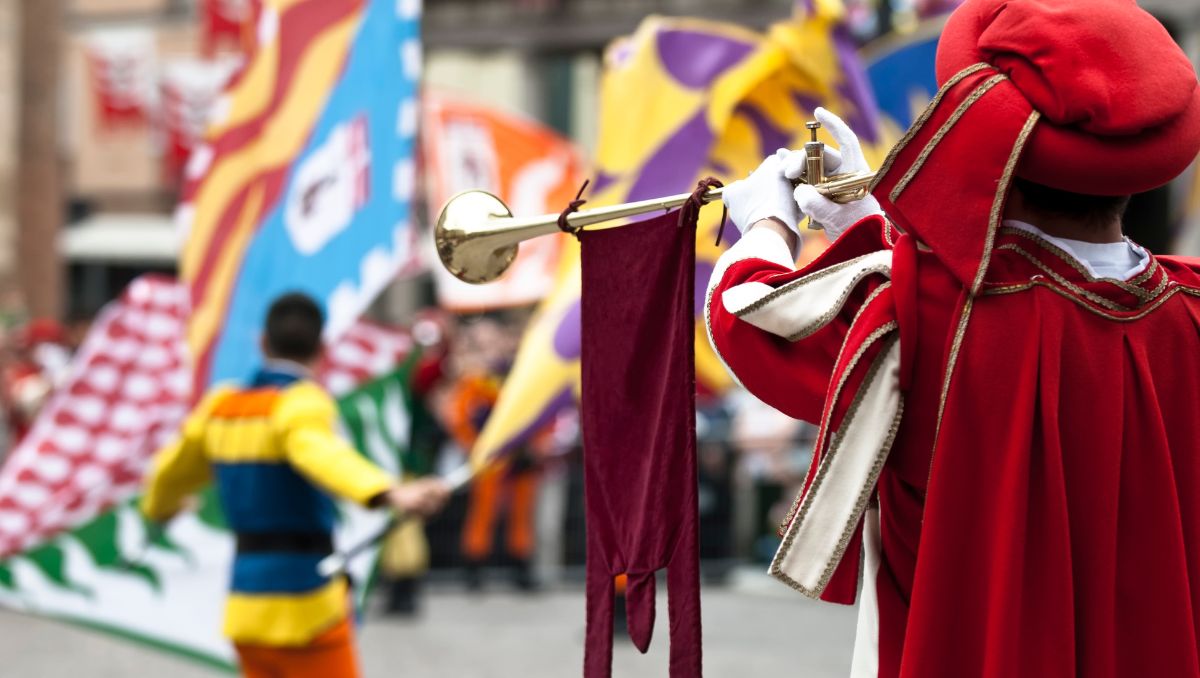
(262, 346)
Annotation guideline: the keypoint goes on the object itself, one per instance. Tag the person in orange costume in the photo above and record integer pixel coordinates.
(513, 481)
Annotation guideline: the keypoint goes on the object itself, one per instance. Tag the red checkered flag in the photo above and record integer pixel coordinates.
(126, 394)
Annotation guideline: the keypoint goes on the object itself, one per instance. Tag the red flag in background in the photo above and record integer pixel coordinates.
(121, 66)
(529, 166)
(639, 434)
(189, 89)
(228, 22)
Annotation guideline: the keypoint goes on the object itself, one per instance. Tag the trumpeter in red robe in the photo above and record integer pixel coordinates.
(1010, 438)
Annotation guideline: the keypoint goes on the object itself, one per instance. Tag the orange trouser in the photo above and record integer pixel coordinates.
(329, 655)
(484, 507)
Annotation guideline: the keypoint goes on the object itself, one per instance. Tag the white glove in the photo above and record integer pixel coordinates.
(835, 218)
(765, 194)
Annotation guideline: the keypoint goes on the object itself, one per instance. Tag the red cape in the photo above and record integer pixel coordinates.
(1040, 507)
(1062, 526)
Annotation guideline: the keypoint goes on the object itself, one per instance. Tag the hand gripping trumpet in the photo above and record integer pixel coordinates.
(477, 235)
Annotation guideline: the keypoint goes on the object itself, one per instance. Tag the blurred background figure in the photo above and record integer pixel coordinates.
(504, 491)
(404, 559)
(36, 359)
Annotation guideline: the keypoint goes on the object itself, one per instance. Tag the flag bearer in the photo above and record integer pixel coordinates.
(269, 446)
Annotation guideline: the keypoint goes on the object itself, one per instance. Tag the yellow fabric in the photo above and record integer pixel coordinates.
(304, 421)
(405, 553)
(180, 469)
(291, 620)
(242, 441)
(788, 68)
(300, 430)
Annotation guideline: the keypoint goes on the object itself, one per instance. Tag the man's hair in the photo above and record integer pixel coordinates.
(1094, 210)
(294, 325)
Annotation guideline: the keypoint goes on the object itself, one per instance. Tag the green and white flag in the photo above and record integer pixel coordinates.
(378, 417)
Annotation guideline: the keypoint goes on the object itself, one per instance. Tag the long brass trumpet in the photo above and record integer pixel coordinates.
(477, 236)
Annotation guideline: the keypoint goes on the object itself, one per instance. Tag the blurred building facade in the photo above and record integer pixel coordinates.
(537, 57)
(8, 113)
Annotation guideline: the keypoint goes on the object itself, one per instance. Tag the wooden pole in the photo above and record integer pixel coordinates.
(39, 189)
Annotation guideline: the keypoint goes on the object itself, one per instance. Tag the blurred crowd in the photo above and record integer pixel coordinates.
(34, 357)
(521, 519)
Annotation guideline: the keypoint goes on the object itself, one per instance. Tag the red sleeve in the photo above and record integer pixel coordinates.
(790, 374)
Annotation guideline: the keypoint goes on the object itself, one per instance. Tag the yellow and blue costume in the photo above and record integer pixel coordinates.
(272, 451)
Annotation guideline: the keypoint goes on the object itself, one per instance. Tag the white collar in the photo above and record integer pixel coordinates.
(1087, 252)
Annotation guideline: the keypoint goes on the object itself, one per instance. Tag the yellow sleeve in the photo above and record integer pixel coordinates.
(304, 419)
(181, 468)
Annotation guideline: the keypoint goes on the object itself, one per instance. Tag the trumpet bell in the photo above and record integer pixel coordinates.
(462, 237)
(477, 237)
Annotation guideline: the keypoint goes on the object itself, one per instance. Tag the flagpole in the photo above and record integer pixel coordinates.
(338, 562)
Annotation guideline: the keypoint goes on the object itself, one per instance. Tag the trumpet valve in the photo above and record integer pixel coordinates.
(814, 152)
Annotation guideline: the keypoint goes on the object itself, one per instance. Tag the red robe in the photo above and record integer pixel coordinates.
(1039, 508)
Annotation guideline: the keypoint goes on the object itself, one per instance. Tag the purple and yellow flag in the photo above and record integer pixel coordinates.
(682, 99)
(305, 178)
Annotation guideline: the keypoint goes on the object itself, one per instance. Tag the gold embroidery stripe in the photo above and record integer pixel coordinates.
(922, 119)
(1131, 286)
(824, 273)
(1090, 296)
(1162, 284)
(961, 331)
(1145, 275)
(968, 305)
(827, 410)
(1001, 195)
(832, 398)
(943, 131)
(1013, 289)
(824, 320)
(864, 497)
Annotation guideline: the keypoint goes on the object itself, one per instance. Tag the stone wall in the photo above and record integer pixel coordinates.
(8, 110)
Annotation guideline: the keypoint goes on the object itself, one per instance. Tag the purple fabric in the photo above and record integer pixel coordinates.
(556, 404)
(673, 167)
(772, 138)
(730, 234)
(862, 115)
(695, 59)
(639, 435)
(566, 336)
(601, 181)
(720, 169)
(805, 101)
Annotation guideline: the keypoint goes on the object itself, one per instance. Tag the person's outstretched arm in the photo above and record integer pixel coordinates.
(305, 418)
(180, 469)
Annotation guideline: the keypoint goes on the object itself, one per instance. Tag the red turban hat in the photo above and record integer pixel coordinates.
(1088, 96)
(1119, 100)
